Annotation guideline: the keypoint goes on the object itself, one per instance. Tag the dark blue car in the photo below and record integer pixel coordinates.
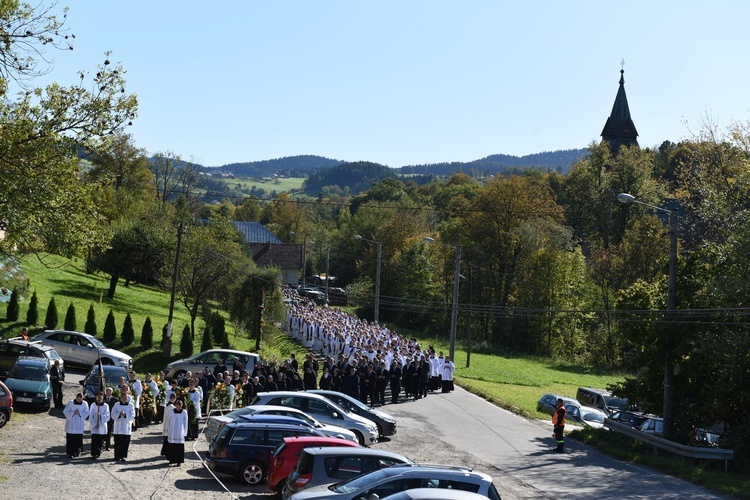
(243, 448)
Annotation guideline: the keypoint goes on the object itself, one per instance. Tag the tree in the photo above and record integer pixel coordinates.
(32, 315)
(90, 326)
(218, 328)
(206, 343)
(186, 342)
(13, 308)
(70, 319)
(50, 319)
(44, 202)
(128, 333)
(147, 334)
(139, 251)
(110, 330)
(173, 176)
(256, 292)
(211, 260)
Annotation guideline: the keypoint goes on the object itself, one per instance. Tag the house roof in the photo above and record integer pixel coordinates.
(282, 255)
(255, 232)
(620, 129)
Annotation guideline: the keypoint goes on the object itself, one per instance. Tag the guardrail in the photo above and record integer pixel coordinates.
(670, 446)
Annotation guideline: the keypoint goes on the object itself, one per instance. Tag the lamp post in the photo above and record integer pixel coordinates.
(456, 278)
(328, 260)
(377, 275)
(668, 409)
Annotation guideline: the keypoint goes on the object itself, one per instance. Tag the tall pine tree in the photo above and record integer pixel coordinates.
(50, 320)
(32, 315)
(90, 326)
(70, 319)
(110, 330)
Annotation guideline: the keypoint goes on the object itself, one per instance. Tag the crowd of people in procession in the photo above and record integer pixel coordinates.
(358, 358)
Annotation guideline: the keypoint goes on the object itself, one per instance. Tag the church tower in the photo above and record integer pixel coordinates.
(620, 129)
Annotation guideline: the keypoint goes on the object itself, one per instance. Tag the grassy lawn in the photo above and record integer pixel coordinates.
(67, 281)
(277, 184)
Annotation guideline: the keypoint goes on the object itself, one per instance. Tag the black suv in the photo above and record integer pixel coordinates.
(12, 349)
(243, 449)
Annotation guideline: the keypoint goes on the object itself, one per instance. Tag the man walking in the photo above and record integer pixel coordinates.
(56, 378)
(98, 420)
(123, 415)
(558, 421)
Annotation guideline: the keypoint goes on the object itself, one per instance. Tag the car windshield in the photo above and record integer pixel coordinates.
(52, 355)
(111, 377)
(239, 412)
(358, 482)
(592, 416)
(613, 402)
(28, 373)
(96, 343)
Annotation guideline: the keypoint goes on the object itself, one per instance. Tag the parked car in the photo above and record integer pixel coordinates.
(322, 409)
(585, 415)
(243, 449)
(630, 418)
(209, 359)
(652, 425)
(216, 422)
(12, 349)
(385, 482)
(385, 422)
(6, 404)
(712, 435)
(28, 380)
(318, 466)
(434, 494)
(82, 349)
(599, 398)
(112, 376)
(548, 403)
(286, 454)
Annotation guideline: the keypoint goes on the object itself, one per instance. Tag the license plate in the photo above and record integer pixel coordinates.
(24, 400)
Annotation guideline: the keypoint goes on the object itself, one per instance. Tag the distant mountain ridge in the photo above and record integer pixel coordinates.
(560, 160)
(304, 165)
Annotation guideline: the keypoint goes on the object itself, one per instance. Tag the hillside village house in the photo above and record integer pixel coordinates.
(267, 250)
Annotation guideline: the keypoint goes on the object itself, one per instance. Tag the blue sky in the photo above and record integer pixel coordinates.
(410, 82)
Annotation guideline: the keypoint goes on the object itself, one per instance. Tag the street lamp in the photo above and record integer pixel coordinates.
(377, 275)
(456, 278)
(668, 410)
(328, 261)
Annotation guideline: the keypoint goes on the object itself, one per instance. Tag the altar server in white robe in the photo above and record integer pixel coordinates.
(178, 426)
(98, 419)
(167, 422)
(123, 415)
(76, 412)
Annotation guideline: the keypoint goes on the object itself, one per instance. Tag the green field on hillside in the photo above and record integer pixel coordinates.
(276, 184)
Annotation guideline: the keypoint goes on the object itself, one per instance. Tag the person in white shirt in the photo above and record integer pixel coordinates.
(123, 415)
(178, 426)
(447, 372)
(194, 393)
(76, 412)
(98, 419)
(167, 422)
(136, 390)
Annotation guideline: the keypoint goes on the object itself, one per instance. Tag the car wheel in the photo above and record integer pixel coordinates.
(252, 473)
(4, 417)
(180, 375)
(280, 486)
(360, 438)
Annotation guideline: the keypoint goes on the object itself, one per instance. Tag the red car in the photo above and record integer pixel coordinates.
(6, 405)
(285, 456)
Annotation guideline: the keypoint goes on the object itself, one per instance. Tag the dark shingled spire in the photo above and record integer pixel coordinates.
(620, 129)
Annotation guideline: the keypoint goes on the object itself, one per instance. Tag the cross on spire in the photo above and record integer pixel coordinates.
(622, 64)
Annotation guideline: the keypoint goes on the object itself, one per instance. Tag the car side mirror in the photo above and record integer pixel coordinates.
(90, 345)
(335, 414)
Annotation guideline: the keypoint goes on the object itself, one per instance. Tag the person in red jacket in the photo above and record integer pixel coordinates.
(558, 421)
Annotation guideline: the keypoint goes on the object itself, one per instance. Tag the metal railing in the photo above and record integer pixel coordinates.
(678, 449)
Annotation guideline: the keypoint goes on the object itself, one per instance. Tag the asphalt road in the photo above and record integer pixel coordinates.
(457, 428)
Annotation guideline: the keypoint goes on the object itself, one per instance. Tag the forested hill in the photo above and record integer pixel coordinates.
(494, 164)
(293, 166)
(350, 178)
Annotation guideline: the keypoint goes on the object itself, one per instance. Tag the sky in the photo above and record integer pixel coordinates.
(411, 82)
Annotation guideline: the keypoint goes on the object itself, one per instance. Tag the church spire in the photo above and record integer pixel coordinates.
(620, 129)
